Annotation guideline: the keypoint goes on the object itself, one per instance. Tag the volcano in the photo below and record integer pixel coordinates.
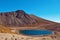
(20, 18)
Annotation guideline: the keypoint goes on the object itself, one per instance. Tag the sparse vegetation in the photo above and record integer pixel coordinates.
(5, 30)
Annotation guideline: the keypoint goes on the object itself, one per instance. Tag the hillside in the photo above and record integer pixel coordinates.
(20, 19)
(5, 30)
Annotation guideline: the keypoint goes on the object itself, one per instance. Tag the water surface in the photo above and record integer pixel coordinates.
(36, 32)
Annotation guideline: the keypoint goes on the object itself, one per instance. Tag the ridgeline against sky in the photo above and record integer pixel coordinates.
(48, 9)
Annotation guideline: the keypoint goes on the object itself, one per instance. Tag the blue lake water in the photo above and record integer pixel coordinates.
(36, 32)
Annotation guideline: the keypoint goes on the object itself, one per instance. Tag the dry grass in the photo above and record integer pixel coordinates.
(5, 30)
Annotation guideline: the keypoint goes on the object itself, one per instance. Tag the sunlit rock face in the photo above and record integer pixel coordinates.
(16, 18)
(21, 18)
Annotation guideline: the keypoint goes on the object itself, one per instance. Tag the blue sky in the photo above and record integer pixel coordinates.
(47, 9)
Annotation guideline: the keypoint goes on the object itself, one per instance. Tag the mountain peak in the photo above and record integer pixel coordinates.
(20, 11)
(21, 18)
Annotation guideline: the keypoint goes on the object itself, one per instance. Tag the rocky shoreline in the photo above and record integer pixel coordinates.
(7, 36)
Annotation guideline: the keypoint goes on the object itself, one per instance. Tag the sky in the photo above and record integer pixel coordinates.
(47, 9)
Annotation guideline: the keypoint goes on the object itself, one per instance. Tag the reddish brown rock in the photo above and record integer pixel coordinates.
(20, 18)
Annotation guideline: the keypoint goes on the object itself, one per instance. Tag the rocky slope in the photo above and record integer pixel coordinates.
(7, 36)
(20, 18)
(16, 18)
(6, 30)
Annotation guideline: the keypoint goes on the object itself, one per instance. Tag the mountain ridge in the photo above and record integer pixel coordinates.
(20, 18)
